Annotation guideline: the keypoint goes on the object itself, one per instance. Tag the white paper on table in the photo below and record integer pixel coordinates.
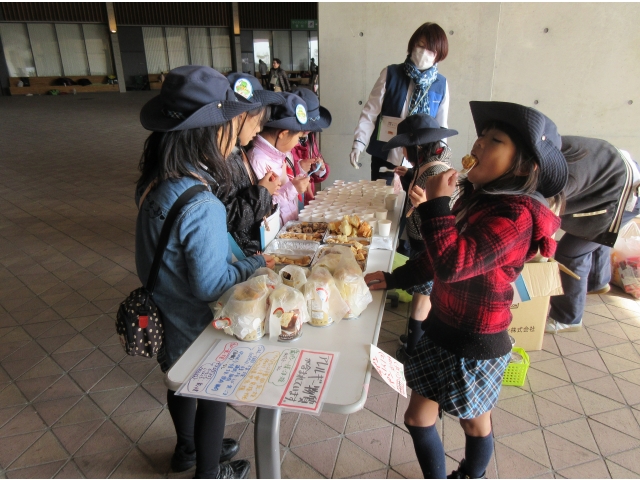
(391, 370)
(263, 375)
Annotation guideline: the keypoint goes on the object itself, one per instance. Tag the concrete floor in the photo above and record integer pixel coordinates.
(72, 405)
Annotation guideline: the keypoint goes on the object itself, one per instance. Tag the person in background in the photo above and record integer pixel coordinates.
(313, 69)
(414, 86)
(306, 155)
(600, 198)
(420, 138)
(278, 78)
(263, 69)
(246, 197)
(475, 251)
(271, 152)
(194, 122)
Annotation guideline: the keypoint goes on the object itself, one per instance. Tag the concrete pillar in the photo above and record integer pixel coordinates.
(115, 47)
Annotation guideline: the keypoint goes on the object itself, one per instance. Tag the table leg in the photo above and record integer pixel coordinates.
(267, 442)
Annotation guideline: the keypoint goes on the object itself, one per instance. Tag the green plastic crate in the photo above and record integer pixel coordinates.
(516, 373)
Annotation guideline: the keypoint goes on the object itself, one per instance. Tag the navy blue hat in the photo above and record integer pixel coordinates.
(291, 115)
(538, 132)
(247, 87)
(319, 117)
(418, 129)
(192, 96)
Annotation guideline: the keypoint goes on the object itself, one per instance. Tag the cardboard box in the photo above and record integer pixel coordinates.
(529, 317)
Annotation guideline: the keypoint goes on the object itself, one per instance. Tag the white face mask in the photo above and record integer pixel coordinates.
(423, 58)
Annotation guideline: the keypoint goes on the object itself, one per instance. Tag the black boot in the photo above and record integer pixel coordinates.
(460, 473)
(181, 461)
(235, 469)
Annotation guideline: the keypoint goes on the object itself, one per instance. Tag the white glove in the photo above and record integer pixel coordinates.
(356, 150)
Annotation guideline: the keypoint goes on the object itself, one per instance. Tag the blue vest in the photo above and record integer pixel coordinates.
(395, 96)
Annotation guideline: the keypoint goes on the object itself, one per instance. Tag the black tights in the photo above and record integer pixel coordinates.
(200, 428)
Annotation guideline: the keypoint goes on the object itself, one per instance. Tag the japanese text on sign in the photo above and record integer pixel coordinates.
(308, 380)
(391, 370)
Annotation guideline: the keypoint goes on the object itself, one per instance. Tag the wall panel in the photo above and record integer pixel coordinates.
(81, 12)
(179, 13)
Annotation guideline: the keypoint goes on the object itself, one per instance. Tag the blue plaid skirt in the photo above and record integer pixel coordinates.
(463, 387)
(425, 288)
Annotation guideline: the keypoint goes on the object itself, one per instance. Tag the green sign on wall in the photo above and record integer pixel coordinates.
(304, 24)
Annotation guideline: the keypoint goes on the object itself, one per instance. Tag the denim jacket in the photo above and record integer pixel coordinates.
(196, 267)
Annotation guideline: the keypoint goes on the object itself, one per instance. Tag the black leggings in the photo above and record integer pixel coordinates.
(200, 428)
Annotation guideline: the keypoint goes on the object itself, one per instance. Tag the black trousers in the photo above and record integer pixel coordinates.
(200, 428)
(376, 163)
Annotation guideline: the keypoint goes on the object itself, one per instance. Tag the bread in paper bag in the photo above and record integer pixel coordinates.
(288, 311)
(324, 302)
(244, 309)
(352, 287)
(293, 276)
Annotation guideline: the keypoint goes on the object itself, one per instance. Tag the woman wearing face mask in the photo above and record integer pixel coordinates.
(246, 197)
(414, 86)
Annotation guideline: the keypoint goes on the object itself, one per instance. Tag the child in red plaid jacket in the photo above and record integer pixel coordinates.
(473, 253)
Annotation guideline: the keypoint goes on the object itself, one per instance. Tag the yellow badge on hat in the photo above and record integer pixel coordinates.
(243, 87)
(301, 113)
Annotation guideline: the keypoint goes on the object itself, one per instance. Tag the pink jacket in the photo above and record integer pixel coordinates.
(300, 153)
(264, 157)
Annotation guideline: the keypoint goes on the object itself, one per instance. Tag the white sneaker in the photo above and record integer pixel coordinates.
(554, 327)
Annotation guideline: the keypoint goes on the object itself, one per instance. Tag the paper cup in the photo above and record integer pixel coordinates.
(384, 228)
(381, 214)
(390, 201)
(374, 225)
(381, 181)
(317, 217)
(305, 218)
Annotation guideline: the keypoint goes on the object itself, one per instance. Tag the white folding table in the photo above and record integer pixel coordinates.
(349, 386)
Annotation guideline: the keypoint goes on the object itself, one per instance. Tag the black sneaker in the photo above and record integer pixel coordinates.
(235, 469)
(181, 462)
(402, 356)
(460, 473)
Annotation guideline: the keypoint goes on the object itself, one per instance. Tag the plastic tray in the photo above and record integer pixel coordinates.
(516, 373)
(287, 227)
(293, 249)
(323, 248)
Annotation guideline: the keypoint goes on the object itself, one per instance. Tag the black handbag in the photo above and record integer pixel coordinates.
(139, 321)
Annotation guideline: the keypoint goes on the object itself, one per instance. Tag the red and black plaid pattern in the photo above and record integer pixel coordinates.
(473, 263)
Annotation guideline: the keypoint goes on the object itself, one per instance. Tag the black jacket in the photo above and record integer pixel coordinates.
(247, 203)
(597, 191)
(283, 79)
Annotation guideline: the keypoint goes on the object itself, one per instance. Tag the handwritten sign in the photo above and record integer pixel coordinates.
(262, 375)
(308, 381)
(391, 370)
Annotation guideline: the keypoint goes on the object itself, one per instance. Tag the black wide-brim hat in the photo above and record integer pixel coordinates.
(418, 129)
(319, 117)
(193, 96)
(248, 87)
(538, 132)
(291, 115)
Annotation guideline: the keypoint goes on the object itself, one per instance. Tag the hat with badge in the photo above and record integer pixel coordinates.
(247, 87)
(319, 117)
(418, 129)
(291, 115)
(538, 132)
(193, 96)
